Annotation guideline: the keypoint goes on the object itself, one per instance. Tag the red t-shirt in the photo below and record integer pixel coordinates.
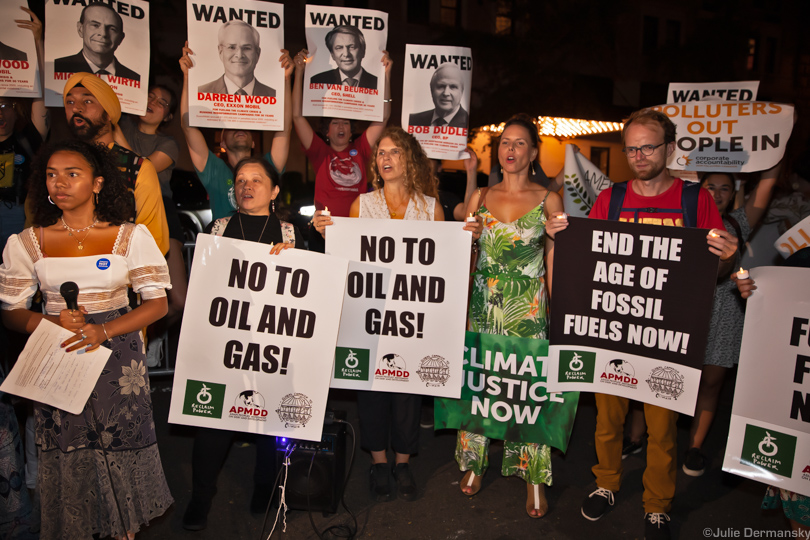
(708, 217)
(339, 176)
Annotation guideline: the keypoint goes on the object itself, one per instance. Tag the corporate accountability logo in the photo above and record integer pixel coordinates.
(351, 363)
(433, 370)
(204, 399)
(249, 405)
(619, 372)
(392, 367)
(768, 449)
(295, 410)
(576, 366)
(684, 160)
(666, 382)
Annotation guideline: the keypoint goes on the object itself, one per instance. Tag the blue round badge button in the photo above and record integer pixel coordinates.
(353, 152)
(103, 264)
(19, 159)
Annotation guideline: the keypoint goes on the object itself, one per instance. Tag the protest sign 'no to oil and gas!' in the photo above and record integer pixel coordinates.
(258, 339)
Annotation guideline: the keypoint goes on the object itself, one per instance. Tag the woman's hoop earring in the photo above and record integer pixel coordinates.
(50, 200)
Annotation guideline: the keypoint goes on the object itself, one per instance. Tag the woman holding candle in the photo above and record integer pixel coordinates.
(509, 293)
(404, 188)
(725, 330)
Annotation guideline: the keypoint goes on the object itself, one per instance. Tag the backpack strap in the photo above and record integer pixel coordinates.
(690, 193)
(617, 193)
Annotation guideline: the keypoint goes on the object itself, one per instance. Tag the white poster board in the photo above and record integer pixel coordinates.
(116, 36)
(345, 77)
(258, 339)
(404, 313)
(436, 98)
(237, 81)
(769, 434)
(798, 237)
(720, 91)
(18, 54)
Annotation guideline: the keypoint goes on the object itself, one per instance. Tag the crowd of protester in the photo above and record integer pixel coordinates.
(105, 192)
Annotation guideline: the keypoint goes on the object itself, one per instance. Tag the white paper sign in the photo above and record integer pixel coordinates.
(436, 98)
(769, 434)
(112, 42)
(404, 313)
(798, 237)
(729, 136)
(719, 91)
(258, 339)
(345, 76)
(45, 372)
(18, 54)
(237, 81)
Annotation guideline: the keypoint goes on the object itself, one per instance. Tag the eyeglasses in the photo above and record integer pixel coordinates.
(159, 100)
(647, 149)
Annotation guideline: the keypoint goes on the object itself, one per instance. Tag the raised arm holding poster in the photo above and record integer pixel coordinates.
(18, 55)
(258, 339)
(631, 310)
(109, 40)
(729, 136)
(344, 76)
(769, 434)
(402, 327)
(441, 76)
(235, 42)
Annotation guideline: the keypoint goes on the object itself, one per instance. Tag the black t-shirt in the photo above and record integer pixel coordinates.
(16, 154)
(449, 201)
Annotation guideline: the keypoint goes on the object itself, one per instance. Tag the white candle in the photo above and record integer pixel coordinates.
(563, 216)
(742, 274)
(471, 218)
(713, 234)
(326, 212)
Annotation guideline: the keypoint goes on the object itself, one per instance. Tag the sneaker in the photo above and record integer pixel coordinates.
(597, 504)
(380, 482)
(426, 416)
(406, 486)
(694, 464)
(656, 526)
(154, 351)
(630, 447)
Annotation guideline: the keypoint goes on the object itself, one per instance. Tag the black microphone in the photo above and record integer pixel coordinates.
(70, 292)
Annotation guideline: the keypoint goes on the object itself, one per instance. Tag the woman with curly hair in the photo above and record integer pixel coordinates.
(99, 470)
(405, 188)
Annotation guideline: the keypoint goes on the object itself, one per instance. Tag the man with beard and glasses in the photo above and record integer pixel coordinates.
(92, 111)
(652, 197)
(215, 173)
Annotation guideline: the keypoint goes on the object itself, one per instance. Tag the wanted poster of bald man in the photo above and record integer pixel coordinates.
(237, 80)
(436, 98)
(345, 76)
(110, 39)
(18, 54)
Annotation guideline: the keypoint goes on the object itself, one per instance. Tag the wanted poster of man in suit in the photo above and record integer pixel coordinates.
(108, 39)
(237, 81)
(18, 53)
(344, 76)
(436, 98)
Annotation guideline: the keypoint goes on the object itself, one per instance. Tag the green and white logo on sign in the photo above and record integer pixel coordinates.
(768, 449)
(204, 399)
(351, 363)
(576, 366)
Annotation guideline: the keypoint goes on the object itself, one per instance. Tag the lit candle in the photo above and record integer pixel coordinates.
(326, 212)
(471, 218)
(563, 216)
(713, 234)
(742, 274)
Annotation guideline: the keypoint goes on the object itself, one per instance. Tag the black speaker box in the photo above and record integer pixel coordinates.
(324, 484)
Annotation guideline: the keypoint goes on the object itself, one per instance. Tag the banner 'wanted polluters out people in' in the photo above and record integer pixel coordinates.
(402, 327)
(436, 98)
(631, 307)
(258, 339)
(345, 77)
(109, 40)
(237, 81)
(18, 54)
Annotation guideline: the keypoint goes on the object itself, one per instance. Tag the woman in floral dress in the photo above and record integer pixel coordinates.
(99, 470)
(509, 294)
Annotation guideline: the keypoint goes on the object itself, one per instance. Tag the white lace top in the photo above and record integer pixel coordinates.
(102, 279)
(372, 205)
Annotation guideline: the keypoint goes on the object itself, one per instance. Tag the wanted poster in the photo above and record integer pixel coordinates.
(436, 98)
(237, 81)
(19, 75)
(714, 91)
(345, 76)
(109, 39)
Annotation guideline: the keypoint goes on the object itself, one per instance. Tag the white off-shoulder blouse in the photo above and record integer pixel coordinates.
(135, 261)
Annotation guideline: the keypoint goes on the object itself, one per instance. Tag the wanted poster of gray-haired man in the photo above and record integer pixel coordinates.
(436, 98)
(18, 54)
(109, 39)
(345, 75)
(237, 81)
